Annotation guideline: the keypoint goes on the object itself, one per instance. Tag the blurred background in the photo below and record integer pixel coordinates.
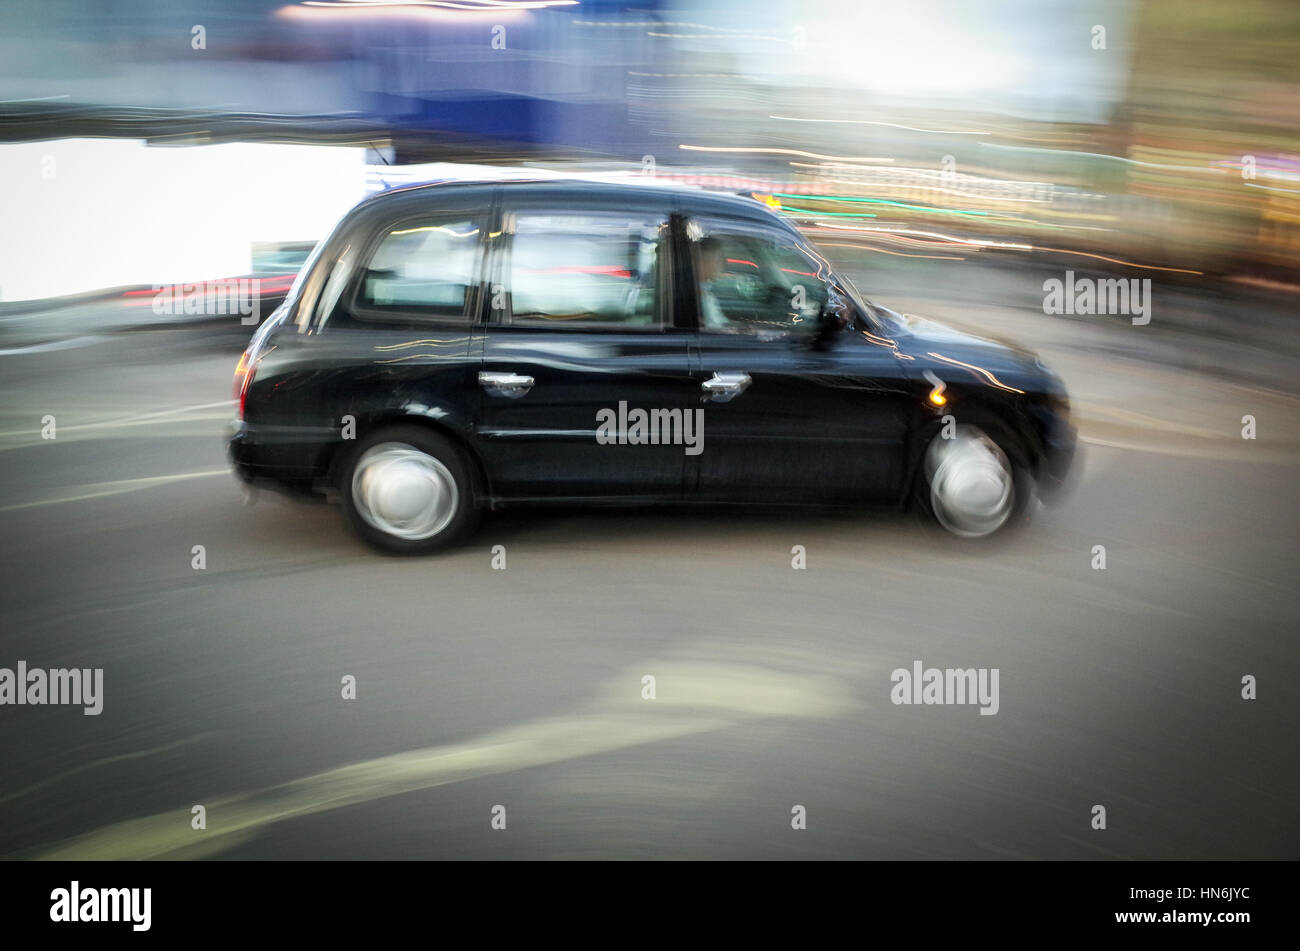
(1159, 132)
(950, 157)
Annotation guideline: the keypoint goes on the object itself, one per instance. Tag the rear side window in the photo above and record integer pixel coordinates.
(598, 270)
(422, 270)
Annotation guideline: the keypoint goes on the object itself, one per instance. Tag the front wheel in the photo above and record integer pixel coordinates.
(973, 485)
(408, 491)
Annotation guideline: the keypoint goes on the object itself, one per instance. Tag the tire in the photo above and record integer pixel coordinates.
(408, 491)
(976, 484)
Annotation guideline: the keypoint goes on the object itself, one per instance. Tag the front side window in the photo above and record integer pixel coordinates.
(758, 283)
(596, 270)
(422, 269)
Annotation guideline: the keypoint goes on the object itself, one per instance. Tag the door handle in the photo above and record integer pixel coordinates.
(722, 387)
(510, 385)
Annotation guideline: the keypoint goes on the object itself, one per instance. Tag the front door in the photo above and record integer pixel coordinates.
(790, 416)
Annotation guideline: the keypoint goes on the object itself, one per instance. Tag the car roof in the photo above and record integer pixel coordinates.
(697, 199)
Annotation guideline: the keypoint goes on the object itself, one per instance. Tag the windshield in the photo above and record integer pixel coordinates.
(869, 311)
(873, 318)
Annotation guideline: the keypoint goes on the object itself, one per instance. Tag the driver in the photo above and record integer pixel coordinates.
(709, 265)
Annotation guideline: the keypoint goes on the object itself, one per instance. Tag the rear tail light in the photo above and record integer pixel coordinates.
(243, 378)
(258, 349)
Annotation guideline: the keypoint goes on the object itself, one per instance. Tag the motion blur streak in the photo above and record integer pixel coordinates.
(102, 489)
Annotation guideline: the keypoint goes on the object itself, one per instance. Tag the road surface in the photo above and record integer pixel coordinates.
(523, 688)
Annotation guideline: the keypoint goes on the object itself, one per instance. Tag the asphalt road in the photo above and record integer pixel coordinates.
(523, 687)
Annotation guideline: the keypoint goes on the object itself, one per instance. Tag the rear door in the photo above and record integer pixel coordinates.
(583, 370)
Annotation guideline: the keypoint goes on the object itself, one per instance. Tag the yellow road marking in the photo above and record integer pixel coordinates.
(693, 698)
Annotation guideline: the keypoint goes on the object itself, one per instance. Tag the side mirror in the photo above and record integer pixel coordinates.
(835, 316)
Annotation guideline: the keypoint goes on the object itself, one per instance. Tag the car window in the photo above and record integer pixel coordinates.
(590, 270)
(756, 282)
(422, 270)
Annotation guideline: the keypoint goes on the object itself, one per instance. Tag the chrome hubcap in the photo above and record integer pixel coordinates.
(404, 492)
(972, 488)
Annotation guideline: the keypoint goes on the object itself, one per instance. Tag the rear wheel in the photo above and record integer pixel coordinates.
(408, 491)
(975, 483)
